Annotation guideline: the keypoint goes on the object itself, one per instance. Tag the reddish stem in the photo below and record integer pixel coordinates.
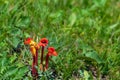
(42, 52)
(47, 61)
(36, 57)
(34, 70)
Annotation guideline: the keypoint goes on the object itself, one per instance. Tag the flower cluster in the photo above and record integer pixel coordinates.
(34, 47)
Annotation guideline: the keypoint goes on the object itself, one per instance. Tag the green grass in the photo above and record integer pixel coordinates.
(85, 33)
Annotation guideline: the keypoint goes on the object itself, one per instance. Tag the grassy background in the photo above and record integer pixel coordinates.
(85, 33)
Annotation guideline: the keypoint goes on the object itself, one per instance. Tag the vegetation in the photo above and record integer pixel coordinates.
(85, 34)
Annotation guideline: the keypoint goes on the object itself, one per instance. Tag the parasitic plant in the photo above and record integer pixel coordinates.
(51, 52)
(43, 43)
(34, 47)
(34, 50)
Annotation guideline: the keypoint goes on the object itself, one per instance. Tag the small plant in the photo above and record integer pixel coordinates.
(51, 52)
(34, 47)
(43, 43)
(34, 50)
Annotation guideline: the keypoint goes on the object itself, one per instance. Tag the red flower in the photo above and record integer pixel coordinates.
(52, 52)
(43, 42)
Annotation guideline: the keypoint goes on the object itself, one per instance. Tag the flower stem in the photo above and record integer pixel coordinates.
(42, 52)
(34, 70)
(47, 61)
(36, 57)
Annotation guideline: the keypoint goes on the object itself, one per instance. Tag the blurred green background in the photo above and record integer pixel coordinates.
(85, 33)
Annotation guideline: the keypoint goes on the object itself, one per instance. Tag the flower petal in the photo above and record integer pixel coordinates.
(55, 53)
(27, 41)
(33, 50)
